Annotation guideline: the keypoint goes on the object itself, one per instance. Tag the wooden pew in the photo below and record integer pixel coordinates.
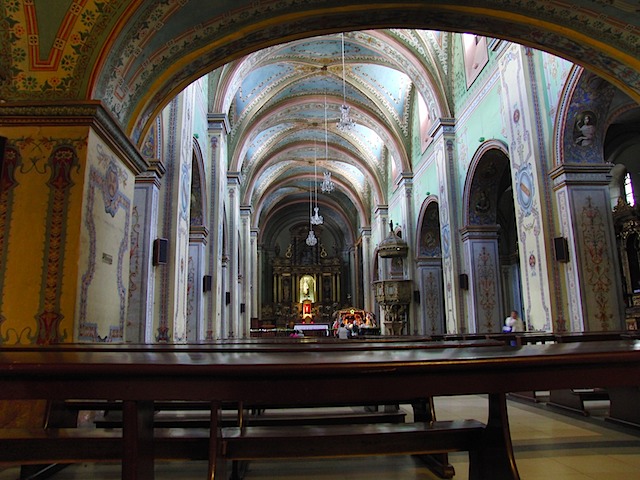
(573, 400)
(624, 406)
(64, 413)
(309, 377)
(266, 443)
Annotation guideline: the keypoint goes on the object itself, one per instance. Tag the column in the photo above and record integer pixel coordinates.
(431, 300)
(218, 129)
(367, 259)
(592, 279)
(246, 270)
(196, 326)
(176, 193)
(380, 232)
(234, 252)
(409, 236)
(139, 326)
(529, 176)
(450, 204)
(65, 229)
(481, 248)
(256, 275)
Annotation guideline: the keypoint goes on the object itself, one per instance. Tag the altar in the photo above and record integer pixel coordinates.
(312, 329)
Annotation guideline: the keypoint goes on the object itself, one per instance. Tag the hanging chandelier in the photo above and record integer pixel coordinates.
(327, 184)
(311, 238)
(312, 241)
(345, 123)
(316, 219)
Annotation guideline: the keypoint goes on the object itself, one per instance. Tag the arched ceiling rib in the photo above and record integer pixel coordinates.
(284, 104)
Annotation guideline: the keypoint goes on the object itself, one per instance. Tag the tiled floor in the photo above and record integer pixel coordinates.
(548, 445)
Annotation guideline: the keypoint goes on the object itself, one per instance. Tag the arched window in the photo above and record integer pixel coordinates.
(628, 190)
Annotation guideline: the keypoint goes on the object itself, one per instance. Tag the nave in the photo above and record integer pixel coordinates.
(548, 445)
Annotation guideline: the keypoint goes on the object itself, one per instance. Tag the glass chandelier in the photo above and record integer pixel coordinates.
(311, 238)
(316, 219)
(345, 123)
(327, 184)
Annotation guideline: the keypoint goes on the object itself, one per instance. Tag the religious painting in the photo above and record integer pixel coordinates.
(584, 131)
(307, 289)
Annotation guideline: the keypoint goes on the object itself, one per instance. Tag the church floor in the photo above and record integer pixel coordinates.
(547, 445)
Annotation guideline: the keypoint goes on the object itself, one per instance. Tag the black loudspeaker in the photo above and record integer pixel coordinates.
(242, 308)
(206, 283)
(464, 281)
(416, 296)
(227, 298)
(561, 247)
(3, 142)
(160, 251)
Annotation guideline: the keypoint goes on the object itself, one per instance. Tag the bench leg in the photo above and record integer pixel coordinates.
(137, 436)
(438, 463)
(493, 459)
(217, 462)
(567, 400)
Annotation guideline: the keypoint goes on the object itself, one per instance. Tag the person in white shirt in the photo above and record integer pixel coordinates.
(513, 323)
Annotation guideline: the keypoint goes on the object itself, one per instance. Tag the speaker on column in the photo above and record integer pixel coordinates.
(160, 251)
(3, 142)
(464, 281)
(206, 283)
(561, 247)
(416, 296)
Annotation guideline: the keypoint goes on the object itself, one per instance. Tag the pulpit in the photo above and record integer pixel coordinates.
(394, 297)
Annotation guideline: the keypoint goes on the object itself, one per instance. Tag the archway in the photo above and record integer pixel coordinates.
(490, 240)
(429, 299)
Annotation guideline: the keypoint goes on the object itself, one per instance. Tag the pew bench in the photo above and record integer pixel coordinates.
(180, 414)
(240, 445)
(33, 446)
(574, 399)
(309, 377)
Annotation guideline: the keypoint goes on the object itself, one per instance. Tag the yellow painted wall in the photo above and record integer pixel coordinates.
(29, 286)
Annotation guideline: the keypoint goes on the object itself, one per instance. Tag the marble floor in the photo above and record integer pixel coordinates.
(548, 445)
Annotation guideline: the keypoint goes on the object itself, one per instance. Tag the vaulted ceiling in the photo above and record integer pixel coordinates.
(278, 78)
(284, 103)
(136, 55)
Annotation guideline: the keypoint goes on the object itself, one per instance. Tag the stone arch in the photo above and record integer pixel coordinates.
(489, 238)
(430, 279)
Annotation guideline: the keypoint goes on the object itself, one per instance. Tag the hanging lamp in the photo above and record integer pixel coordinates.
(345, 123)
(311, 238)
(327, 184)
(316, 219)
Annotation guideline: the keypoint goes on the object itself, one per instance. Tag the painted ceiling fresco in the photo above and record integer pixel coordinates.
(281, 77)
(135, 54)
(284, 103)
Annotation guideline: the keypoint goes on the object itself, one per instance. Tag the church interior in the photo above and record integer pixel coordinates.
(184, 172)
(168, 181)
